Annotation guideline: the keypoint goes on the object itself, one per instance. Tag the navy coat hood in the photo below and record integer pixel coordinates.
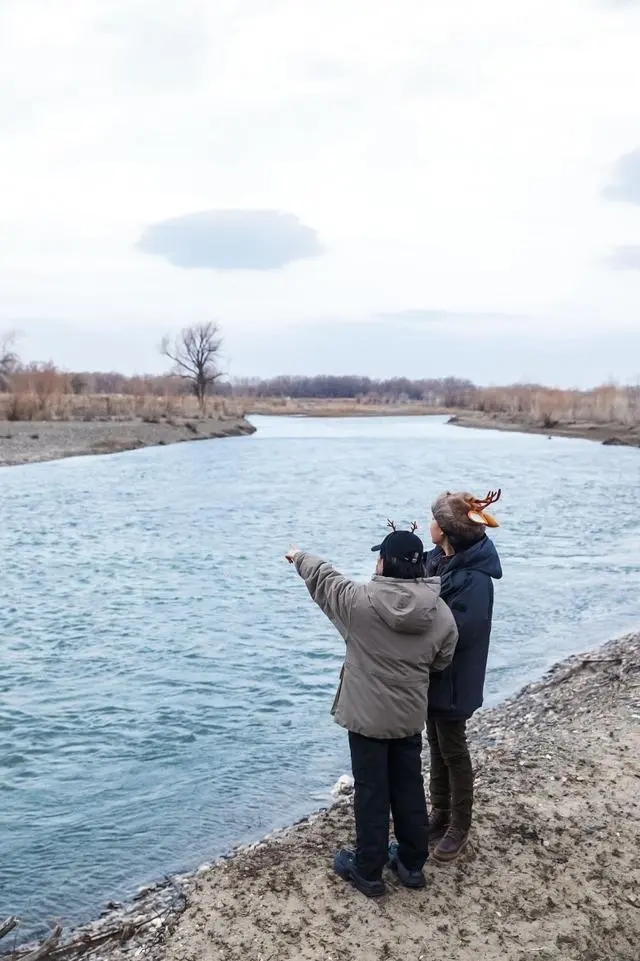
(482, 557)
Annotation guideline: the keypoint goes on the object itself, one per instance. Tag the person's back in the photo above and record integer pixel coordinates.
(467, 588)
(467, 562)
(397, 630)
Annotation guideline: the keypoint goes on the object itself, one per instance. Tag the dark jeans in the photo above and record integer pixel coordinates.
(451, 773)
(388, 776)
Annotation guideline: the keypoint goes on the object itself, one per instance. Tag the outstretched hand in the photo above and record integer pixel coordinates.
(291, 553)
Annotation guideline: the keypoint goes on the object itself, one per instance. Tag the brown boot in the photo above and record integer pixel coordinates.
(438, 825)
(451, 845)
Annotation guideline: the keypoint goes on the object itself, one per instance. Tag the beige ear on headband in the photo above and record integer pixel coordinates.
(477, 512)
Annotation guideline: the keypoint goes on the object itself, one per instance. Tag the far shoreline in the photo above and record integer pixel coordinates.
(611, 434)
(32, 442)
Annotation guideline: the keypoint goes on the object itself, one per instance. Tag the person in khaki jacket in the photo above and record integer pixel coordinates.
(397, 630)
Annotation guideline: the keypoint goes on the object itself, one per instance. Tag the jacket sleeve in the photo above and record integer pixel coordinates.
(445, 655)
(333, 593)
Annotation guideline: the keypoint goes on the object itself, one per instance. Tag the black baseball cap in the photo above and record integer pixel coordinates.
(404, 545)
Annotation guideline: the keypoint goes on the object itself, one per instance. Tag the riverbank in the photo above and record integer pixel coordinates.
(612, 434)
(28, 442)
(552, 873)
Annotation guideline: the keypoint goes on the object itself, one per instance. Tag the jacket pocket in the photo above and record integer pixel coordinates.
(442, 690)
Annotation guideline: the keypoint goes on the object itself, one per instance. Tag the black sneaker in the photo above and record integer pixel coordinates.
(344, 864)
(410, 879)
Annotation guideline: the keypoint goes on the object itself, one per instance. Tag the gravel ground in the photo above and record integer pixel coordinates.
(28, 442)
(552, 873)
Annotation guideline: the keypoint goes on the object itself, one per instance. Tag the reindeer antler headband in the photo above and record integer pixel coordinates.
(477, 508)
(413, 527)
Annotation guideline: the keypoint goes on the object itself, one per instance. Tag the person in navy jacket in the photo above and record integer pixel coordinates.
(467, 563)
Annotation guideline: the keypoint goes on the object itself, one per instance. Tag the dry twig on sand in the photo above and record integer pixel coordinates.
(45, 949)
(585, 662)
(87, 943)
(7, 926)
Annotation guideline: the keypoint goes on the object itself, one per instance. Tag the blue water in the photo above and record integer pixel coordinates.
(166, 681)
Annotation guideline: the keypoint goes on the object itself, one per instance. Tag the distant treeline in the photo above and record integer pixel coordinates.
(29, 391)
(542, 406)
(447, 392)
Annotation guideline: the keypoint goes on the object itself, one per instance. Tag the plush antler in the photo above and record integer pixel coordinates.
(477, 508)
(491, 498)
(414, 527)
(392, 525)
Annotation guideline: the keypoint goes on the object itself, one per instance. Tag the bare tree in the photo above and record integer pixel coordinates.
(9, 360)
(195, 356)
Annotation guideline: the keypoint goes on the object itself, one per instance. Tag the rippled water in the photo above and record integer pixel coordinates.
(165, 679)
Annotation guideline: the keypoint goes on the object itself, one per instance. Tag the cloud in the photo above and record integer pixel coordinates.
(231, 240)
(159, 51)
(626, 257)
(626, 183)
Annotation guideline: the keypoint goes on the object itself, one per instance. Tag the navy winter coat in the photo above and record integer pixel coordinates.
(467, 587)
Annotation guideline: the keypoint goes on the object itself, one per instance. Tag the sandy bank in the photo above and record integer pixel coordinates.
(553, 873)
(23, 442)
(613, 434)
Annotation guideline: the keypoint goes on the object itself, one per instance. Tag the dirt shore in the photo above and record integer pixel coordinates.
(552, 873)
(27, 442)
(612, 434)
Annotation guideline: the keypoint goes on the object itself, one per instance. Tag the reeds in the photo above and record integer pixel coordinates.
(41, 392)
(31, 406)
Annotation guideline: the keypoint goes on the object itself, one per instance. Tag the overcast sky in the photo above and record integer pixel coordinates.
(418, 187)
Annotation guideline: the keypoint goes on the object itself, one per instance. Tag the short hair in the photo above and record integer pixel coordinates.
(403, 570)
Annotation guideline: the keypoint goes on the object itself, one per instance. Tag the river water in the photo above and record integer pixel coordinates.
(166, 681)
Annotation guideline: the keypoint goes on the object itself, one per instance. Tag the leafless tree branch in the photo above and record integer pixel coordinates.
(9, 359)
(194, 355)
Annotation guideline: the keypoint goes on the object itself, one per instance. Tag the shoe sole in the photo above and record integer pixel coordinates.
(347, 876)
(419, 886)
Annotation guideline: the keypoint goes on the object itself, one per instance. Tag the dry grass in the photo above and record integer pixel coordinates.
(536, 406)
(42, 392)
(549, 408)
(334, 407)
(31, 405)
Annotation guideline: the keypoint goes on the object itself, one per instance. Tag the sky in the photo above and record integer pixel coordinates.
(418, 188)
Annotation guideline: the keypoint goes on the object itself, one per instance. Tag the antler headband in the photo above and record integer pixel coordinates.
(412, 528)
(477, 508)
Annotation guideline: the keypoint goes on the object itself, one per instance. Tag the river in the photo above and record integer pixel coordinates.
(166, 681)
